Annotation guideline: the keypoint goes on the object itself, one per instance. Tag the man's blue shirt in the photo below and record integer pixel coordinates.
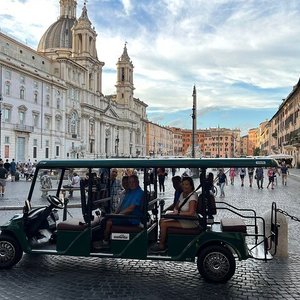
(133, 197)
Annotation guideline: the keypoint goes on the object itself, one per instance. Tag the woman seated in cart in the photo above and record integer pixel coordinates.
(186, 206)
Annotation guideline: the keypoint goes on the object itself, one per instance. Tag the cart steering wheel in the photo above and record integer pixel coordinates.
(55, 201)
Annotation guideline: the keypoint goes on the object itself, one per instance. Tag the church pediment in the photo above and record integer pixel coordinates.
(110, 112)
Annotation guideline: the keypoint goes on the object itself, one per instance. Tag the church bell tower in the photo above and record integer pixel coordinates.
(124, 83)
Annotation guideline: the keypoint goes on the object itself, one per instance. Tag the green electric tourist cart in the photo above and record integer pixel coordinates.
(236, 233)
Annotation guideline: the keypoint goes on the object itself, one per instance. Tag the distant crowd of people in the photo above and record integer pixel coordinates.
(19, 169)
(257, 175)
(12, 170)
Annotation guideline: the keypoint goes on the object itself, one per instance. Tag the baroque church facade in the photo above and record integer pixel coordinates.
(52, 102)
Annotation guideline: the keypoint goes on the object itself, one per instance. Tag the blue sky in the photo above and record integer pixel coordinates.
(242, 55)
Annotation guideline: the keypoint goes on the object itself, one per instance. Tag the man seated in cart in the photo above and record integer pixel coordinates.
(131, 205)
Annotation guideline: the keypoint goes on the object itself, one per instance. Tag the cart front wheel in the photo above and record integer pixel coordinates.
(10, 252)
(216, 264)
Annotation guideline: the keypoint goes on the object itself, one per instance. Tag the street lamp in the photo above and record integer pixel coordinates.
(194, 117)
(218, 141)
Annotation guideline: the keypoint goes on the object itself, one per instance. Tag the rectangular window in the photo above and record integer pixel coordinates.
(6, 140)
(35, 142)
(34, 152)
(47, 143)
(47, 123)
(58, 103)
(36, 120)
(58, 123)
(21, 117)
(57, 151)
(6, 151)
(35, 84)
(22, 79)
(7, 115)
(47, 153)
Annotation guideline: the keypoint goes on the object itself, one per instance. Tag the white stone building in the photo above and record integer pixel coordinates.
(52, 102)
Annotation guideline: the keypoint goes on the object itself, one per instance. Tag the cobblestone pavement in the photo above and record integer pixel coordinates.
(54, 277)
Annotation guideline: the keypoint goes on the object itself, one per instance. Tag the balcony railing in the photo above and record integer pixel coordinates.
(23, 128)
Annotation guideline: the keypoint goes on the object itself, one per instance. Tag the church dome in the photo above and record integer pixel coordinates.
(58, 35)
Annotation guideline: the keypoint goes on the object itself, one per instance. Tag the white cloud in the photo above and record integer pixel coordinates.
(238, 53)
(127, 6)
(29, 19)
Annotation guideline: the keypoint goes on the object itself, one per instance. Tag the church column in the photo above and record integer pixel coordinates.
(97, 137)
(84, 48)
(102, 138)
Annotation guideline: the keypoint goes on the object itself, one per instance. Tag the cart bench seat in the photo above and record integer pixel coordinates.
(188, 231)
(233, 225)
(126, 228)
(76, 224)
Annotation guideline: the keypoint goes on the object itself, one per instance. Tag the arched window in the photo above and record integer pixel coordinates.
(22, 92)
(123, 74)
(35, 97)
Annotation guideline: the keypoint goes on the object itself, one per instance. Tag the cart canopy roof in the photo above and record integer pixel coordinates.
(162, 163)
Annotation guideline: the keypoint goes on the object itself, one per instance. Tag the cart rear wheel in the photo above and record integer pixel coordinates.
(10, 251)
(216, 264)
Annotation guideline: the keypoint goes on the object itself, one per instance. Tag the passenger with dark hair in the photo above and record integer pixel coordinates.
(208, 202)
(187, 206)
(176, 180)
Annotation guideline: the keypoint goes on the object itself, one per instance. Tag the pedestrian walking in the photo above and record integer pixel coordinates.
(173, 172)
(250, 174)
(242, 175)
(161, 174)
(259, 176)
(232, 175)
(284, 172)
(13, 170)
(271, 177)
(222, 180)
(6, 165)
(276, 172)
(3, 176)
